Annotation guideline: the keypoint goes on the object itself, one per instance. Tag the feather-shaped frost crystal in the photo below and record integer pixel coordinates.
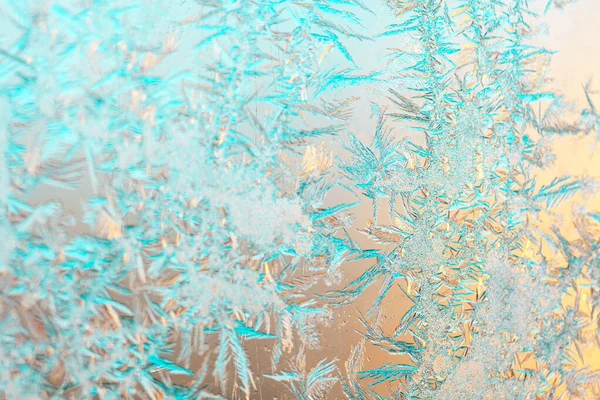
(183, 188)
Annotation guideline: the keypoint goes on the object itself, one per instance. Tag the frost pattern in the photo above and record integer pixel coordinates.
(185, 125)
(503, 305)
(192, 137)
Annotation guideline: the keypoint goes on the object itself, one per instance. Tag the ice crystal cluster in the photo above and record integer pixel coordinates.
(169, 198)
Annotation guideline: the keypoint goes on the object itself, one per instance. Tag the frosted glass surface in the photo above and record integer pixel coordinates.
(313, 199)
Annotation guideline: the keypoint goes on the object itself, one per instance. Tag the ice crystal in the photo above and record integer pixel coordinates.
(489, 315)
(166, 200)
(183, 123)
